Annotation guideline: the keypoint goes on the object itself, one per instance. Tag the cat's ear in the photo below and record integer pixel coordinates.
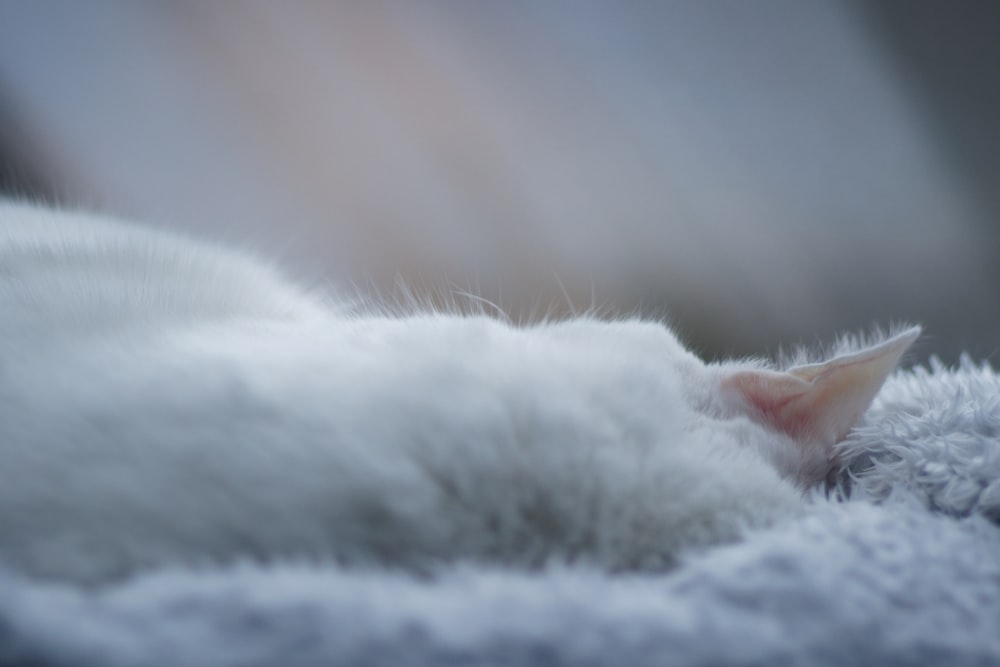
(820, 402)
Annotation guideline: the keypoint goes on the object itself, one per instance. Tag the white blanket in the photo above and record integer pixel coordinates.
(907, 572)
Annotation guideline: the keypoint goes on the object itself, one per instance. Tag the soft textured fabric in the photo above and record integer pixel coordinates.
(934, 432)
(906, 572)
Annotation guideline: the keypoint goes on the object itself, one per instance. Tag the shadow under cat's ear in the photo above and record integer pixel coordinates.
(821, 402)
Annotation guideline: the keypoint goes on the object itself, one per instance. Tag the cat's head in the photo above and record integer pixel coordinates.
(810, 406)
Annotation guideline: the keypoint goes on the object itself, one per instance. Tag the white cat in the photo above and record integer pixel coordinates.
(169, 402)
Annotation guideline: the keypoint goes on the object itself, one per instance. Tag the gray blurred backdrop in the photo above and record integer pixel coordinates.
(759, 172)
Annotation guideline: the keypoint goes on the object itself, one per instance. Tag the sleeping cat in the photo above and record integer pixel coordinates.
(166, 402)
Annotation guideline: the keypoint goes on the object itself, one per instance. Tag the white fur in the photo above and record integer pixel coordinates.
(163, 401)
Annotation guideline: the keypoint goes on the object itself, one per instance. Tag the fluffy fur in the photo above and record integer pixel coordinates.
(169, 402)
(901, 583)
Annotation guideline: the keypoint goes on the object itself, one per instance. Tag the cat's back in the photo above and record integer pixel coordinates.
(72, 273)
(168, 402)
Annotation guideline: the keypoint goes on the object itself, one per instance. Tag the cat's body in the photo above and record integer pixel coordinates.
(165, 402)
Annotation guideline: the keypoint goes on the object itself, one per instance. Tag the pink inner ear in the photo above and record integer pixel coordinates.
(773, 398)
(820, 402)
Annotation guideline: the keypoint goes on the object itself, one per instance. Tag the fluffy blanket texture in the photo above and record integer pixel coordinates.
(905, 572)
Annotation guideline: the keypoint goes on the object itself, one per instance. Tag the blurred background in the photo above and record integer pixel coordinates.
(757, 172)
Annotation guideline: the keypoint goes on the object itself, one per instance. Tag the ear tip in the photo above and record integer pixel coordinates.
(906, 337)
